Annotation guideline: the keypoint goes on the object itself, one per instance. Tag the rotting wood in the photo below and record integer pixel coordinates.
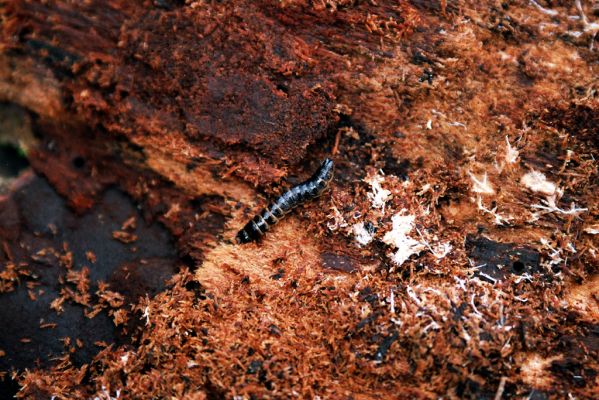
(455, 103)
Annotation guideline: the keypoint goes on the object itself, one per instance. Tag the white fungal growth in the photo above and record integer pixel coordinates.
(440, 250)
(482, 185)
(105, 395)
(337, 220)
(456, 123)
(433, 325)
(499, 219)
(461, 283)
(488, 277)
(555, 254)
(589, 27)
(146, 315)
(537, 182)
(544, 10)
(474, 307)
(465, 335)
(592, 230)
(550, 205)
(413, 296)
(379, 196)
(399, 239)
(511, 154)
(362, 236)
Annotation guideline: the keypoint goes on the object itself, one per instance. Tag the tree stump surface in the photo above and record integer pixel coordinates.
(454, 254)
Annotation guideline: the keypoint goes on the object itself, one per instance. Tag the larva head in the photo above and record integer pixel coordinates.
(243, 237)
(325, 172)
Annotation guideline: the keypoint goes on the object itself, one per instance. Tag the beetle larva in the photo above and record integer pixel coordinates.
(294, 197)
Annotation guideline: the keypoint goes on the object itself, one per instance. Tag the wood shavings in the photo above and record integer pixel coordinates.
(124, 237)
(11, 275)
(91, 257)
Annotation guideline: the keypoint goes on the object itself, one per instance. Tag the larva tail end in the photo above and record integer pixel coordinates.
(242, 237)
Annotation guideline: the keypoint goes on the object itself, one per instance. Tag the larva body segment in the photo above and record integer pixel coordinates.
(294, 197)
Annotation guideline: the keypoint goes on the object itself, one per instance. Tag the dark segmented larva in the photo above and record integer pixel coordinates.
(294, 197)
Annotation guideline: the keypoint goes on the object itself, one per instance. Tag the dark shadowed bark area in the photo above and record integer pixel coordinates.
(454, 254)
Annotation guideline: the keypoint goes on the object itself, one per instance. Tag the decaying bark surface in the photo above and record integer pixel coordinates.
(455, 254)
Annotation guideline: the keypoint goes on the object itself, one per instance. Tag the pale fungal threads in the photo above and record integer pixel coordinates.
(294, 197)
